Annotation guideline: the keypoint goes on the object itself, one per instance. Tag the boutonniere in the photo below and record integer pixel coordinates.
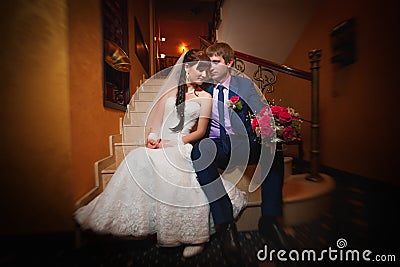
(234, 103)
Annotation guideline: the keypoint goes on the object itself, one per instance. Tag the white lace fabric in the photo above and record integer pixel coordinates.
(156, 191)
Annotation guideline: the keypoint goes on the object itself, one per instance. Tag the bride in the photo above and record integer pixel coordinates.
(155, 189)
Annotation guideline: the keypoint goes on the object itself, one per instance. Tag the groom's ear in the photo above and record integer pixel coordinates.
(230, 63)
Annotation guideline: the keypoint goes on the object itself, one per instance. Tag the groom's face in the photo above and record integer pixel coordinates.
(219, 69)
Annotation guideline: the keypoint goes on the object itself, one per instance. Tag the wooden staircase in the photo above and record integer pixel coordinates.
(303, 200)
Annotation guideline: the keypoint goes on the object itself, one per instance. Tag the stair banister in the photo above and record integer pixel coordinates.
(314, 57)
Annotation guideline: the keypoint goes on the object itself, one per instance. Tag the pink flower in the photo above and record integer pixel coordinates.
(267, 131)
(265, 121)
(265, 125)
(265, 111)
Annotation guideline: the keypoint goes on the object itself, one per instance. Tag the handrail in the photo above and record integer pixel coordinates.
(268, 64)
(274, 66)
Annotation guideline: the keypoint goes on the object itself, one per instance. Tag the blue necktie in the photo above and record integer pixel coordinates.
(221, 115)
(221, 111)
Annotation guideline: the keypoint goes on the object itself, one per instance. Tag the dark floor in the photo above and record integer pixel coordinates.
(363, 213)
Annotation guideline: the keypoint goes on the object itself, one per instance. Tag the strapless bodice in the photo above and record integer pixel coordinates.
(171, 118)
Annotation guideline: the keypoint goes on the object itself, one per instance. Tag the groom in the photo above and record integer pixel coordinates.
(231, 141)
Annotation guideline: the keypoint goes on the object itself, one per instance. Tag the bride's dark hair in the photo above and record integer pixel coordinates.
(191, 58)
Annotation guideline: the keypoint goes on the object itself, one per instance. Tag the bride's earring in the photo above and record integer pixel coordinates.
(187, 77)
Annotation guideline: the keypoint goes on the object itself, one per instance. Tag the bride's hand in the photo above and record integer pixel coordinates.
(153, 143)
(185, 139)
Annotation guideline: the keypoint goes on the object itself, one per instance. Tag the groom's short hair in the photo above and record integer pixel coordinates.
(221, 49)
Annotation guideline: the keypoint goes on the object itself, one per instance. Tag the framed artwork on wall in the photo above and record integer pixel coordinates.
(343, 42)
(141, 48)
(116, 64)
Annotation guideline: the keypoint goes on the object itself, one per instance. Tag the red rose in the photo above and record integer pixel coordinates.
(234, 99)
(276, 110)
(284, 116)
(288, 133)
(254, 123)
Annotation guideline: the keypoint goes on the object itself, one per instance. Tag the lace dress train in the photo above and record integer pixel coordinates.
(155, 191)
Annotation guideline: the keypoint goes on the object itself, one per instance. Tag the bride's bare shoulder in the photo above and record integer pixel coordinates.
(205, 94)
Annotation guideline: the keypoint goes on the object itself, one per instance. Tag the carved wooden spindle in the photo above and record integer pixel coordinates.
(315, 57)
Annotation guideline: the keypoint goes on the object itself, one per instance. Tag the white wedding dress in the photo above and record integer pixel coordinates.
(156, 191)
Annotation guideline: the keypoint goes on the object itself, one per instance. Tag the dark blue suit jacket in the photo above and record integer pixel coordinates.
(252, 102)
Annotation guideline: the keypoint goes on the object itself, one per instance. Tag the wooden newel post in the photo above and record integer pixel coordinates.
(314, 57)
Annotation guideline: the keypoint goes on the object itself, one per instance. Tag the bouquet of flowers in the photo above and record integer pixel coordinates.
(283, 125)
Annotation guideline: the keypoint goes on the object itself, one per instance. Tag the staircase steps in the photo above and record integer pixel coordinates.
(136, 118)
(134, 134)
(145, 96)
(141, 105)
(305, 201)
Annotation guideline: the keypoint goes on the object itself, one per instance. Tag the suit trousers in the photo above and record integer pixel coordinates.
(209, 178)
(271, 188)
